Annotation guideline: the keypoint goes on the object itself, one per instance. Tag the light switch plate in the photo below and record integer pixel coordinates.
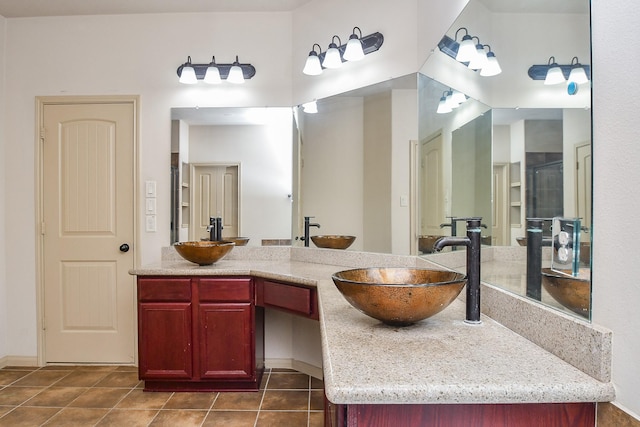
(151, 223)
(150, 190)
(151, 206)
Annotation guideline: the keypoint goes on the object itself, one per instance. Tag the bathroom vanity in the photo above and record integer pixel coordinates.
(438, 370)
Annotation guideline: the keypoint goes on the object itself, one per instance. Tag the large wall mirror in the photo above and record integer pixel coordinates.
(381, 163)
(539, 154)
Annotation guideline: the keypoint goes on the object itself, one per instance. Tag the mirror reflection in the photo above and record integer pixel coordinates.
(540, 134)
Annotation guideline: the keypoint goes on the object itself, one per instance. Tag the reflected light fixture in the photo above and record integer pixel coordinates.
(466, 49)
(310, 107)
(333, 58)
(212, 75)
(312, 67)
(479, 59)
(492, 66)
(443, 107)
(554, 73)
(353, 51)
(356, 48)
(189, 73)
(578, 73)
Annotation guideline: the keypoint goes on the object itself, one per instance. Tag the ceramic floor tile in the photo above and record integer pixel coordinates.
(288, 381)
(99, 398)
(41, 378)
(27, 417)
(238, 400)
(179, 417)
(17, 395)
(191, 401)
(139, 399)
(55, 397)
(128, 418)
(279, 418)
(113, 396)
(230, 419)
(76, 417)
(285, 400)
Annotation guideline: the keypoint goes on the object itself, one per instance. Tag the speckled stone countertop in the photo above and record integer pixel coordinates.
(437, 360)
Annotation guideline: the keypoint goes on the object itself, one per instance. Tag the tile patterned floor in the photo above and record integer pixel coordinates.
(113, 396)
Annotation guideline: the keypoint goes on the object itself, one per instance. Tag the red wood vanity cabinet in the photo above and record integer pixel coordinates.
(292, 298)
(199, 333)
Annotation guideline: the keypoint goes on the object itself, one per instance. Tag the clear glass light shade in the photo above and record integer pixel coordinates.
(332, 57)
(212, 76)
(554, 75)
(353, 51)
(466, 50)
(492, 67)
(443, 108)
(312, 67)
(578, 75)
(479, 60)
(235, 75)
(188, 75)
(310, 107)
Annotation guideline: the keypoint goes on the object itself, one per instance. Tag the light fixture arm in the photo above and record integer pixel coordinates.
(248, 70)
(466, 33)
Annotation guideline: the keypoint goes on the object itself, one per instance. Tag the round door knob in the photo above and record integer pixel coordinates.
(124, 247)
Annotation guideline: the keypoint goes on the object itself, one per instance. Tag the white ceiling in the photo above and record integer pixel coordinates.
(30, 8)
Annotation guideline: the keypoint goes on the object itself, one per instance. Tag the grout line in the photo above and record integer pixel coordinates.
(266, 385)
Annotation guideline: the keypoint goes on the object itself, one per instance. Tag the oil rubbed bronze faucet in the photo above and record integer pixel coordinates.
(472, 241)
(215, 229)
(307, 225)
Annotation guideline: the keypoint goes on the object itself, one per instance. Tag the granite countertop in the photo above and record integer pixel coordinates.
(438, 360)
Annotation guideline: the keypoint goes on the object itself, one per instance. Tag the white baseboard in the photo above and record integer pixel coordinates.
(297, 365)
(19, 361)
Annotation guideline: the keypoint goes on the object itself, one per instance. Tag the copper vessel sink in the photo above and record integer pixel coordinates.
(399, 296)
(573, 293)
(239, 241)
(425, 243)
(204, 252)
(333, 241)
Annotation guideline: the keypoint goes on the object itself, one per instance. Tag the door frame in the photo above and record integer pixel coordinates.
(41, 102)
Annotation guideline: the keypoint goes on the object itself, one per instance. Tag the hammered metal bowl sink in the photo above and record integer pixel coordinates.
(425, 243)
(204, 252)
(399, 296)
(573, 293)
(333, 241)
(239, 241)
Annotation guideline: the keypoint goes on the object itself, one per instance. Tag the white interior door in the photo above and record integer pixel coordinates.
(88, 215)
(215, 194)
(432, 185)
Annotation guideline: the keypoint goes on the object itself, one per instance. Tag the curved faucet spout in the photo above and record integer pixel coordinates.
(442, 242)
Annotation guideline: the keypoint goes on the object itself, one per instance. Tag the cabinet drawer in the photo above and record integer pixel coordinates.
(289, 297)
(231, 289)
(164, 289)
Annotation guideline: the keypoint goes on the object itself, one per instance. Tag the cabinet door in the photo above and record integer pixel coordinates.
(227, 343)
(164, 340)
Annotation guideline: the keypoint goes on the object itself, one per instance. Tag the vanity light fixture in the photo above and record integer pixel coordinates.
(236, 72)
(353, 51)
(554, 73)
(492, 66)
(187, 74)
(476, 56)
(578, 73)
(450, 100)
(333, 58)
(479, 59)
(312, 67)
(336, 54)
(467, 48)
(443, 107)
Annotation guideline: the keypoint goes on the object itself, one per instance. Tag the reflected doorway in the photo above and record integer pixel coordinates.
(215, 194)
